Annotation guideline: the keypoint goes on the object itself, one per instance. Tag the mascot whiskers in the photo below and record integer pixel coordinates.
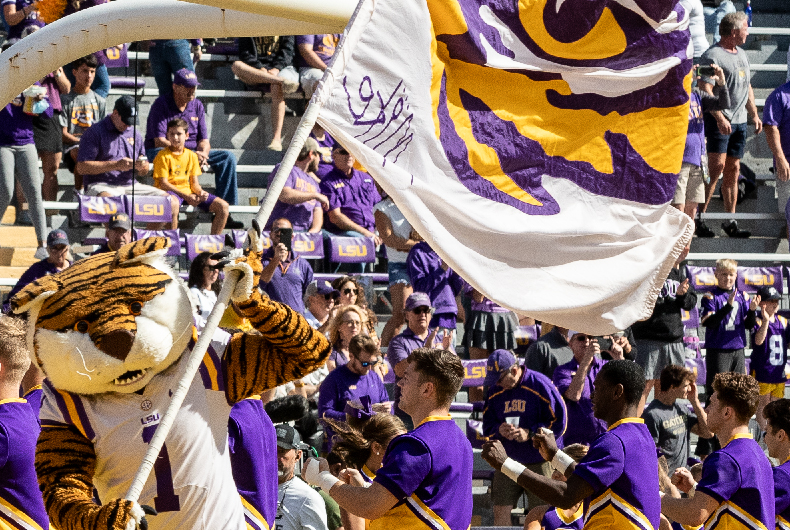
(112, 334)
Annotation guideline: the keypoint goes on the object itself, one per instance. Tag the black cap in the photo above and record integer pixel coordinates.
(57, 237)
(287, 437)
(769, 292)
(120, 220)
(125, 106)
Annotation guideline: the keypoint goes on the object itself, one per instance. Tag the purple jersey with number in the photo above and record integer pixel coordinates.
(782, 494)
(622, 469)
(731, 332)
(429, 471)
(553, 519)
(739, 477)
(21, 505)
(253, 458)
(769, 358)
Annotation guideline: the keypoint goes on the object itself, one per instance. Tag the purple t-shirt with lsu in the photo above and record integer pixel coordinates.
(19, 429)
(164, 109)
(300, 215)
(323, 45)
(15, 32)
(16, 127)
(622, 469)
(252, 444)
(289, 282)
(355, 195)
(325, 164)
(695, 139)
(739, 477)
(103, 142)
(430, 466)
(769, 358)
(777, 113)
(583, 426)
(731, 332)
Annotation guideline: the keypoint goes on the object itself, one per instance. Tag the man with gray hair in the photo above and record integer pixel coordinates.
(300, 201)
(725, 130)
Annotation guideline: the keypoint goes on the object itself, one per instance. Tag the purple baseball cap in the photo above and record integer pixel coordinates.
(57, 237)
(321, 287)
(185, 77)
(418, 299)
(498, 363)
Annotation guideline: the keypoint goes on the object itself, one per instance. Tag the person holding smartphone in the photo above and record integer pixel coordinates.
(285, 275)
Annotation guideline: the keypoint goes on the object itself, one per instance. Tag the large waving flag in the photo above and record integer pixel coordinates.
(534, 144)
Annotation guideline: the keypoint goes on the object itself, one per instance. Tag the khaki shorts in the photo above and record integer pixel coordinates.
(116, 191)
(691, 187)
(505, 492)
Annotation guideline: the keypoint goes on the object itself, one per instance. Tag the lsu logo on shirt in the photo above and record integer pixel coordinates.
(84, 116)
(339, 185)
(130, 140)
(515, 405)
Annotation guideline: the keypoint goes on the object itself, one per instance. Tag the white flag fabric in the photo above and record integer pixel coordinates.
(534, 144)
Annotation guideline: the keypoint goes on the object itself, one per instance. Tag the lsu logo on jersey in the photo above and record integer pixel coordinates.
(84, 116)
(515, 405)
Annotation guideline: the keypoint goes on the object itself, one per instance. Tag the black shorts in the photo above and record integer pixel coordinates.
(48, 133)
(733, 144)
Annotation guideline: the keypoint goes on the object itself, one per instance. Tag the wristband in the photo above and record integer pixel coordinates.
(512, 469)
(561, 461)
(692, 491)
(326, 480)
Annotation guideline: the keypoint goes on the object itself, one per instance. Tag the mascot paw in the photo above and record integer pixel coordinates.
(244, 287)
(138, 520)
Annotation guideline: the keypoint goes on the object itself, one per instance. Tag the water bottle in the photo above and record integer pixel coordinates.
(748, 11)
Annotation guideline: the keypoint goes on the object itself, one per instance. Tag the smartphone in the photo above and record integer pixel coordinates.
(286, 234)
(706, 71)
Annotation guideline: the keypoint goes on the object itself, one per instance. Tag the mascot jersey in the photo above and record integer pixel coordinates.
(191, 485)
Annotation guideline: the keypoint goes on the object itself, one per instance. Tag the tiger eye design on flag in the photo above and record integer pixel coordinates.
(601, 97)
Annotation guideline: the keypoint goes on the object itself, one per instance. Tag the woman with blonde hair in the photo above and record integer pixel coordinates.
(352, 292)
(348, 322)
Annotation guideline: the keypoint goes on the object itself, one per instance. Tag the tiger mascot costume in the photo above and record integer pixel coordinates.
(112, 333)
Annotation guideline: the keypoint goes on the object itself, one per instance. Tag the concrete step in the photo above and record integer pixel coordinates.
(18, 237)
(17, 257)
(11, 272)
(757, 245)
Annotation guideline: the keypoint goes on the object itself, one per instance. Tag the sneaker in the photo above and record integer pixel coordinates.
(41, 253)
(732, 230)
(702, 229)
(276, 146)
(232, 224)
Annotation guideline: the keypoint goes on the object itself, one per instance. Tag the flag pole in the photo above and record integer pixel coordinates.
(232, 278)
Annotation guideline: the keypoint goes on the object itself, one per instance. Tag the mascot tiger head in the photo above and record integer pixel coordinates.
(108, 323)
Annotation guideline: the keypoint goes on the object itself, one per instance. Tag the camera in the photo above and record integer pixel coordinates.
(706, 71)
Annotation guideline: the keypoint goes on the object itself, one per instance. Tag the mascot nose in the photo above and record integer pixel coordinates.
(117, 343)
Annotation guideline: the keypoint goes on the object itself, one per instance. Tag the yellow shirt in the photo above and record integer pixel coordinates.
(176, 169)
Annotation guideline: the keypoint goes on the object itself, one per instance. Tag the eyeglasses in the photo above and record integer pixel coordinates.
(352, 322)
(421, 311)
(349, 291)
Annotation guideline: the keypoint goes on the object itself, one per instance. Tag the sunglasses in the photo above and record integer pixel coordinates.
(330, 296)
(421, 311)
(369, 363)
(342, 152)
(583, 338)
(349, 291)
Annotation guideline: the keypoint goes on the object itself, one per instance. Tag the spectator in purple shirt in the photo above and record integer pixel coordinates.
(181, 103)
(56, 261)
(325, 145)
(575, 380)
(110, 152)
(315, 54)
(776, 120)
(20, 15)
(285, 275)
(352, 381)
(352, 195)
(418, 314)
(348, 322)
(300, 201)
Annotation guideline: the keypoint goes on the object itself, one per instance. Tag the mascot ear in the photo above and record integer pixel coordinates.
(33, 295)
(142, 251)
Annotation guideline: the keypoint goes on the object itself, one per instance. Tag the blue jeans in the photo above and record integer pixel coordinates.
(168, 57)
(224, 165)
(351, 268)
(101, 83)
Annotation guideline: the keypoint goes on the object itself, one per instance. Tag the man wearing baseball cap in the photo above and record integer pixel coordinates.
(300, 506)
(182, 104)
(111, 153)
(319, 299)
(418, 311)
(56, 261)
(119, 233)
(769, 353)
(518, 404)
